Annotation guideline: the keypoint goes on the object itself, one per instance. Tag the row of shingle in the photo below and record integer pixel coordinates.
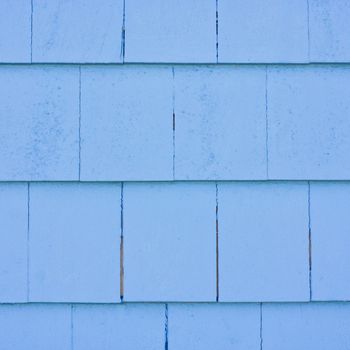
(176, 326)
(230, 122)
(70, 252)
(174, 31)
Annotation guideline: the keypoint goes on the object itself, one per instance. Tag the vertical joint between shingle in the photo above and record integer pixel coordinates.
(122, 49)
(28, 241)
(72, 327)
(217, 30)
(308, 30)
(310, 240)
(261, 326)
(174, 121)
(31, 30)
(266, 123)
(166, 328)
(217, 238)
(122, 242)
(79, 127)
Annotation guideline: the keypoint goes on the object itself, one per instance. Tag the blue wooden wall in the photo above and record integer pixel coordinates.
(174, 174)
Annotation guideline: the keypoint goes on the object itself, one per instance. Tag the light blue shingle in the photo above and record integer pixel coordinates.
(39, 123)
(329, 31)
(13, 242)
(39, 327)
(170, 31)
(220, 123)
(77, 31)
(330, 222)
(126, 123)
(132, 326)
(74, 242)
(263, 31)
(169, 241)
(213, 326)
(263, 241)
(309, 124)
(15, 30)
(306, 326)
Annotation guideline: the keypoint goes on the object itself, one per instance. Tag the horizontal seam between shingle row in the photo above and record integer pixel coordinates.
(171, 181)
(212, 64)
(213, 303)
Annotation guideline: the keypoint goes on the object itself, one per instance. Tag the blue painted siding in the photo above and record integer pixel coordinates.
(306, 326)
(38, 326)
(126, 123)
(189, 326)
(236, 31)
(205, 123)
(308, 110)
(170, 247)
(159, 31)
(39, 124)
(329, 31)
(330, 204)
(15, 31)
(271, 31)
(129, 326)
(220, 123)
(13, 242)
(74, 237)
(210, 326)
(174, 174)
(77, 31)
(263, 241)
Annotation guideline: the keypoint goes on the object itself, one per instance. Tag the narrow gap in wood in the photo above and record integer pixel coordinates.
(122, 242)
(217, 240)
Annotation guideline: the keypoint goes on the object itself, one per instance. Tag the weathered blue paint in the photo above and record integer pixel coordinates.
(128, 326)
(126, 123)
(272, 31)
(169, 174)
(39, 123)
(329, 31)
(170, 247)
(15, 31)
(77, 31)
(308, 118)
(330, 205)
(177, 31)
(220, 123)
(74, 237)
(13, 242)
(263, 235)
